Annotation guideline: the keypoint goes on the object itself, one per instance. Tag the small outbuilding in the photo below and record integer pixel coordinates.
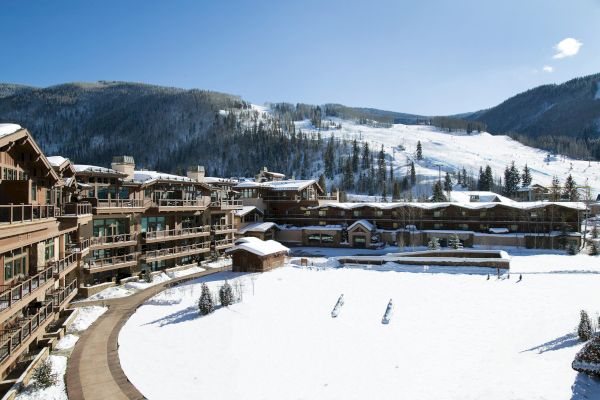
(261, 230)
(251, 254)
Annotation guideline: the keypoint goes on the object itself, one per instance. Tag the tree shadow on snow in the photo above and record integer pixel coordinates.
(585, 387)
(568, 340)
(180, 316)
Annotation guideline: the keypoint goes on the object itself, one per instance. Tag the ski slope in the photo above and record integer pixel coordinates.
(453, 151)
(451, 335)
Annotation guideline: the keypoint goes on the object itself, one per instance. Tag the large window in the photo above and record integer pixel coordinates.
(15, 263)
(49, 249)
(109, 227)
(153, 224)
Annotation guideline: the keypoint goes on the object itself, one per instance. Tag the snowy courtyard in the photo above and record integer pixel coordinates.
(451, 335)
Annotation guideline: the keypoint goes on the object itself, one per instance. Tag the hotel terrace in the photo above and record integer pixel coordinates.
(67, 229)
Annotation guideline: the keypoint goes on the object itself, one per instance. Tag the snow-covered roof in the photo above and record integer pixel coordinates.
(524, 205)
(7, 129)
(248, 239)
(260, 248)
(149, 176)
(469, 196)
(498, 230)
(290, 184)
(311, 228)
(257, 227)
(94, 168)
(362, 222)
(215, 179)
(245, 210)
(57, 161)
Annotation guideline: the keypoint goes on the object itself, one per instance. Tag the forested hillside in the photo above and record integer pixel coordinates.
(561, 118)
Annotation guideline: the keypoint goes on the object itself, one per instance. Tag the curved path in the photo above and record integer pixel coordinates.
(93, 370)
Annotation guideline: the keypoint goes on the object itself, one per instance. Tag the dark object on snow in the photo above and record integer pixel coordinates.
(388, 313)
(336, 309)
(520, 277)
(488, 277)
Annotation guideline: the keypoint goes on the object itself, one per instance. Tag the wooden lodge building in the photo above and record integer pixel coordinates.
(251, 254)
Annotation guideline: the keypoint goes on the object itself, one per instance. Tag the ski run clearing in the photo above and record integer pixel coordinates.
(453, 151)
(453, 334)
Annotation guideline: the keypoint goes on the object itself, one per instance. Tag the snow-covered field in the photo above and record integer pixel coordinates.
(451, 336)
(453, 151)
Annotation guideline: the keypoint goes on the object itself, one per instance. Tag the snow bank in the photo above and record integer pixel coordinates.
(111, 293)
(66, 342)
(86, 317)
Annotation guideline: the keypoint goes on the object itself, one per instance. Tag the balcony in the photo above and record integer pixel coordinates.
(181, 205)
(65, 265)
(222, 244)
(20, 213)
(14, 340)
(107, 206)
(107, 242)
(174, 234)
(111, 263)
(63, 295)
(177, 251)
(221, 229)
(82, 247)
(77, 209)
(23, 292)
(229, 204)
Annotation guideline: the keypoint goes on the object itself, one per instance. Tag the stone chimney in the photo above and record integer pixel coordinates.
(124, 164)
(196, 172)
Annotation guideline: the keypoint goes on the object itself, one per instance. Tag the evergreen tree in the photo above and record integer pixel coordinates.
(593, 248)
(323, 183)
(512, 178)
(348, 175)
(419, 151)
(355, 155)
(454, 242)
(526, 176)
(43, 375)
(381, 167)
(584, 330)
(413, 174)
(433, 244)
(205, 304)
(384, 190)
(448, 184)
(555, 189)
(226, 295)
(489, 178)
(438, 193)
(594, 232)
(572, 249)
(391, 174)
(329, 159)
(396, 190)
(481, 180)
(570, 190)
(366, 156)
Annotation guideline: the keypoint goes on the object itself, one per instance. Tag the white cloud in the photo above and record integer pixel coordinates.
(567, 48)
(548, 68)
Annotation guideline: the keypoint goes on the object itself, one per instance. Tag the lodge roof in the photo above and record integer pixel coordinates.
(259, 247)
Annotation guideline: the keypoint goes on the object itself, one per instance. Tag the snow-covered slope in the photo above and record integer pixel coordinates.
(452, 151)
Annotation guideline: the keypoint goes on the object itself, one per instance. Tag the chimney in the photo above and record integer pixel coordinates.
(124, 164)
(196, 172)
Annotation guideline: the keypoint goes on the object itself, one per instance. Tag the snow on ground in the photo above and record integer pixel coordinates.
(130, 288)
(452, 336)
(85, 317)
(55, 392)
(457, 150)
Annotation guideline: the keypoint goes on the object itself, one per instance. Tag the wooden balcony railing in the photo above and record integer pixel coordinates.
(223, 242)
(229, 204)
(182, 203)
(111, 262)
(114, 239)
(221, 227)
(19, 213)
(77, 209)
(329, 197)
(120, 203)
(9, 295)
(59, 295)
(177, 250)
(61, 265)
(12, 339)
(176, 232)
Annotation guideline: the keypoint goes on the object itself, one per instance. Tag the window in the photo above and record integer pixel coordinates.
(483, 214)
(514, 228)
(464, 227)
(322, 213)
(8, 273)
(49, 250)
(322, 223)
(153, 224)
(395, 225)
(437, 214)
(437, 226)
(15, 263)
(356, 213)
(109, 227)
(326, 238)
(33, 192)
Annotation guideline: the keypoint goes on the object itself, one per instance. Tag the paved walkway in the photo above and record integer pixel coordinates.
(93, 370)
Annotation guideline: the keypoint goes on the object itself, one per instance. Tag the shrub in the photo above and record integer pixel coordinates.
(584, 330)
(593, 248)
(205, 304)
(572, 249)
(454, 242)
(43, 375)
(226, 295)
(434, 244)
(148, 277)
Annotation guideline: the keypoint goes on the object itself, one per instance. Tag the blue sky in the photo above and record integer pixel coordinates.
(428, 57)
